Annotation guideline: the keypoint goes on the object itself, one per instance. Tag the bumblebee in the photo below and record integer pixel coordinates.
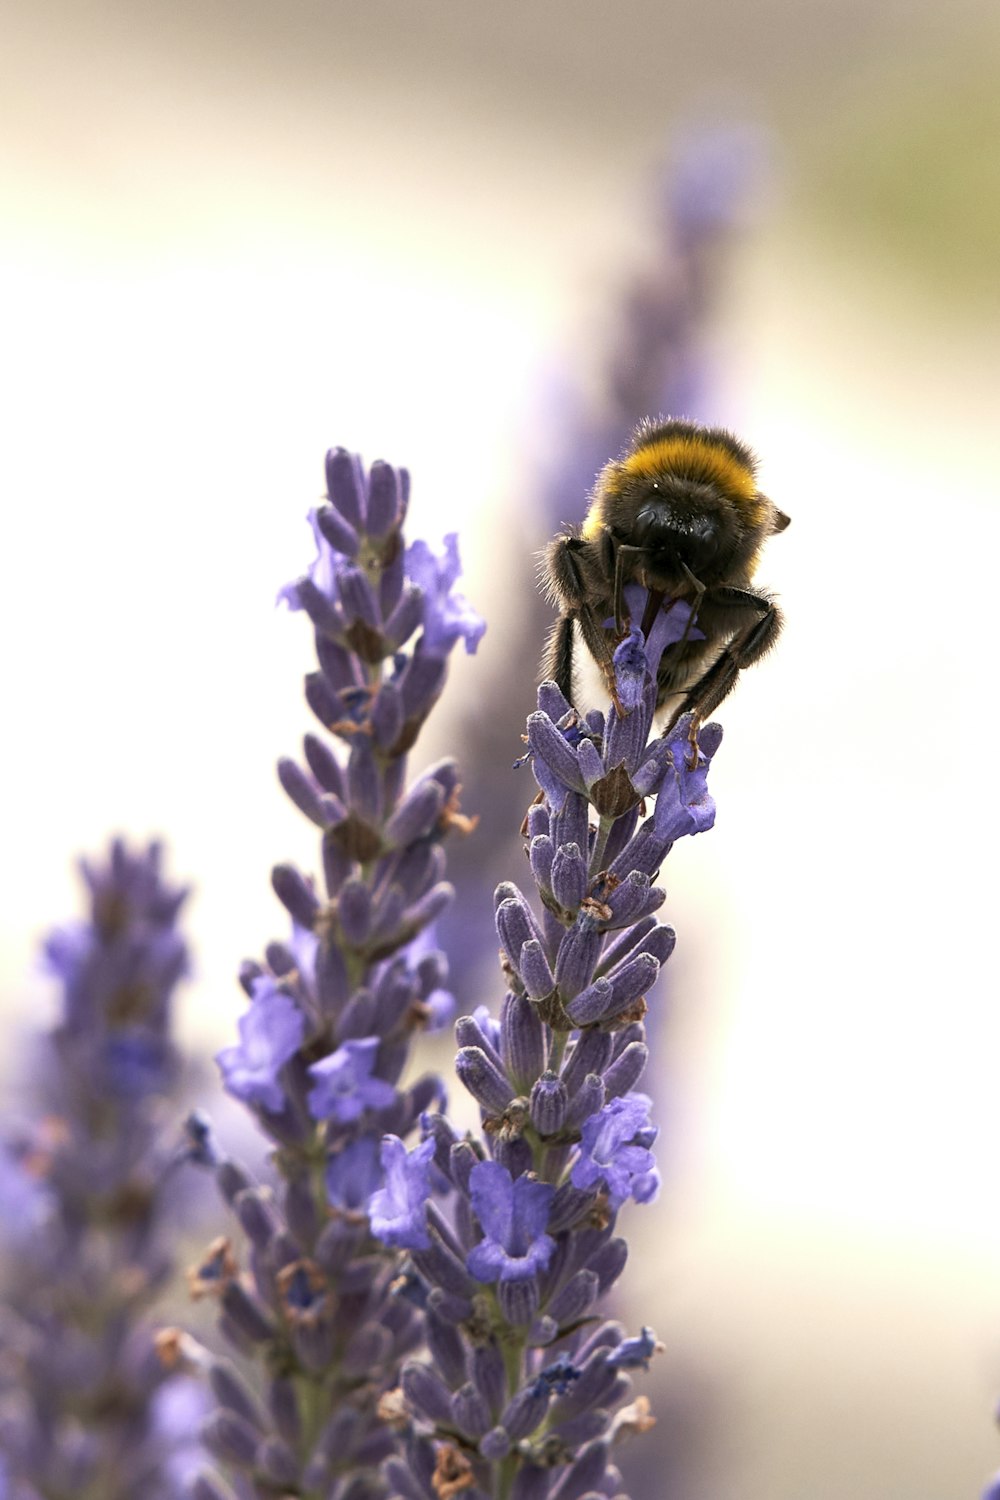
(680, 514)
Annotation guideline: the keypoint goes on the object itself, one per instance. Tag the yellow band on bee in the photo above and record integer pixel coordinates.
(691, 457)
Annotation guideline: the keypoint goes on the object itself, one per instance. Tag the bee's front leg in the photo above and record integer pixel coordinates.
(747, 643)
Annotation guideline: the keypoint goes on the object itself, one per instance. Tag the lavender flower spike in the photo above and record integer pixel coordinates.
(528, 1391)
(86, 1405)
(314, 1298)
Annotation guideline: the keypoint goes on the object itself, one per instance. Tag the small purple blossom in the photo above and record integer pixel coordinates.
(271, 1031)
(674, 621)
(630, 669)
(513, 1214)
(684, 804)
(440, 1009)
(345, 1085)
(398, 1211)
(635, 1354)
(614, 1151)
(448, 616)
(353, 1173)
(322, 574)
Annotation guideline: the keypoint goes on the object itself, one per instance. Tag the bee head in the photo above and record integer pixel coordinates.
(687, 497)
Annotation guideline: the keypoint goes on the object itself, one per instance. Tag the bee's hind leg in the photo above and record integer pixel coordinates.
(558, 664)
(568, 587)
(744, 648)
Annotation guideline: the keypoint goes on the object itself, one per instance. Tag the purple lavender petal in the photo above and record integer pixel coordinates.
(271, 1032)
(513, 1216)
(448, 616)
(344, 1085)
(607, 1153)
(354, 1173)
(398, 1210)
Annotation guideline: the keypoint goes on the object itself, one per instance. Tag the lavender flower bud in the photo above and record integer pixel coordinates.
(536, 975)
(531, 1483)
(230, 1439)
(404, 618)
(345, 487)
(284, 1407)
(323, 764)
(522, 1042)
(446, 1349)
(541, 852)
(495, 1444)
(387, 490)
(276, 1463)
(591, 1054)
(427, 1393)
(569, 877)
(525, 1411)
(576, 1298)
(626, 1070)
(470, 1412)
(483, 1079)
(231, 1391)
(295, 894)
(587, 1100)
(515, 926)
(245, 1314)
(256, 1216)
(417, 815)
(470, 1033)
(518, 1301)
(586, 1473)
(318, 808)
(549, 1102)
(489, 1375)
(608, 1262)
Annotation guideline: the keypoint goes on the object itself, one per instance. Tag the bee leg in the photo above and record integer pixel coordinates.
(699, 594)
(744, 648)
(566, 577)
(558, 664)
(568, 585)
(597, 643)
(623, 555)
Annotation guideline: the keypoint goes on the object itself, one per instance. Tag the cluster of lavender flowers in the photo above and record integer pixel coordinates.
(325, 1043)
(481, 1256)
(87, 1408)
(527, 1392)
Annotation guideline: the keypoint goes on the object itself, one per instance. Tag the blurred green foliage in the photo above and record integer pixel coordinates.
(909, 167)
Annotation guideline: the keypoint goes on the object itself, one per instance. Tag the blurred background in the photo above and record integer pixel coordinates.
(233, 234)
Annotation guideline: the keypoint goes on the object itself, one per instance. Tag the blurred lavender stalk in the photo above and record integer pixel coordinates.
(324, 1047)
(87, 1409)
(656, 361)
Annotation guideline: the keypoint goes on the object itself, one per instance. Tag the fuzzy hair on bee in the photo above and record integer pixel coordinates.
(679, 514)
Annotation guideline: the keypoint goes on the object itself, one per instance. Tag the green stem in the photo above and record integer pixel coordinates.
(506, 1470)
(557, 1046)
(604, 828)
